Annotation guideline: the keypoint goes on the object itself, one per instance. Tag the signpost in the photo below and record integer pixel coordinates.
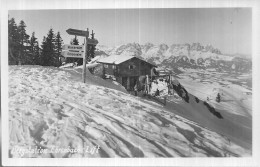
(73, 47)
(77, 51)
(72, 54)
(78, 32)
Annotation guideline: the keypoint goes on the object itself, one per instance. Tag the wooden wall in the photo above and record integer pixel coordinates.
(140, 68)
(109, 70)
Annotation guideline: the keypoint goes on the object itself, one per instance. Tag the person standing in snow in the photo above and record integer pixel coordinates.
(135, 88)
(218, 98)
(157, 93)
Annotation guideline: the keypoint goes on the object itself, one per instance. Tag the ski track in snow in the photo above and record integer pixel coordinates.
(48, 109)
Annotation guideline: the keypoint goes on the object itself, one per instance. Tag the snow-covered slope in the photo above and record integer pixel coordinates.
(51, 109)
(235, 105)
(236, 94)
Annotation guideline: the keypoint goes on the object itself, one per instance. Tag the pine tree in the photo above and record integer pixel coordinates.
(58, 48)
(92, 51)
(12, 42)
(48, 56)
(34, 50)
(43, 51)
(38, 58)
(23, 42)
(74, 41)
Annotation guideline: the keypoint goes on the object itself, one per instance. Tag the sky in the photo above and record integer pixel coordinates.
(228, 29)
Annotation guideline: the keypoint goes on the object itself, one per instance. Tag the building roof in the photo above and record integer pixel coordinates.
(117, 59)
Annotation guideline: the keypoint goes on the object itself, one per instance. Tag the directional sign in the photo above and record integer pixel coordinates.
(73, 54)
(77, 32)
(92, 41)
(73, 47)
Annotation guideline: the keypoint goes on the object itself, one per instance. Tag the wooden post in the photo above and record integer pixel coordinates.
(127, 83)
(147, 84)
(84, 62)
(103, 71)
(85, 59)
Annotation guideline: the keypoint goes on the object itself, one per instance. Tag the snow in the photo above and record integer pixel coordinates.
(115, 59)
(51, 108)
(95, 59)
(235, 105)
(90, 65)
(161, 85)
(68, 65)
(236, 99)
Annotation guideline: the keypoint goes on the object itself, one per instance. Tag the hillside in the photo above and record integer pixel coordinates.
(52, 109)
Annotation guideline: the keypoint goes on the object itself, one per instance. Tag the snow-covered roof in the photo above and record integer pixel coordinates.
(115, 59)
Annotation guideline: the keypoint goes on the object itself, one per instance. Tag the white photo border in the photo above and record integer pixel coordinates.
(115, 4)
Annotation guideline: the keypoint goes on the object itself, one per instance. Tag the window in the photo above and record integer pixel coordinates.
(105, 66)
(131, 67)
(114, 67)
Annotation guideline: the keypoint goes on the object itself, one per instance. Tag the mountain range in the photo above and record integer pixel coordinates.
(186, 55)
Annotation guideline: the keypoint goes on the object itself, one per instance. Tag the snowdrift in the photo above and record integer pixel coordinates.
(53, 113)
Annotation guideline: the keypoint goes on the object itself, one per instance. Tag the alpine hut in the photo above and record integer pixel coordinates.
(126, 69)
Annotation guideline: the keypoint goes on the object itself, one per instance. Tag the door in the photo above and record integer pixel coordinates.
(133, 81)
(124, 82)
